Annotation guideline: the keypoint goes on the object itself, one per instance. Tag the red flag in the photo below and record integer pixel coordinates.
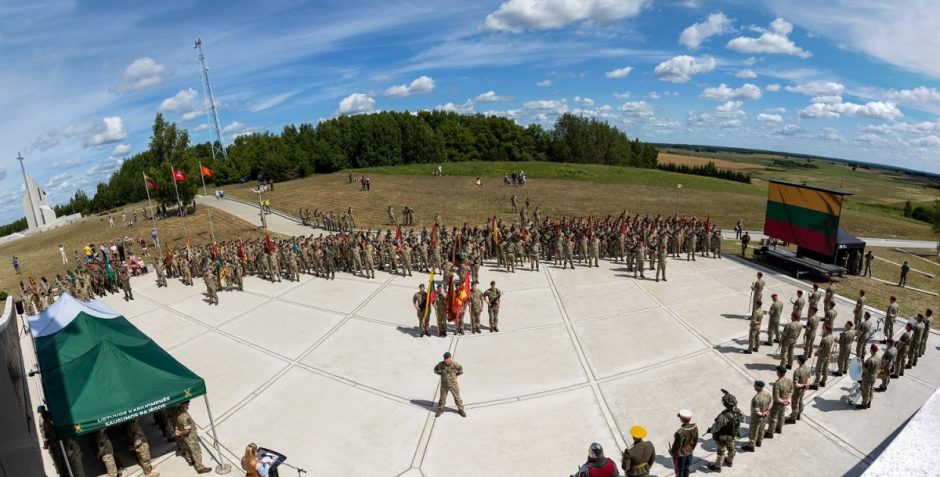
(268, 244)
(398, 238)
(449, 301)
(151, 185)
(205, 171)
(435, 234)
(178, 175)
(623, 226)
(241, 251)
(708, 222)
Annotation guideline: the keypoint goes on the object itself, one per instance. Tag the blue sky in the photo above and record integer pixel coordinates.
(82, 81)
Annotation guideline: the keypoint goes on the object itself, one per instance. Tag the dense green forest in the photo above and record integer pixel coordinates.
(379, 139)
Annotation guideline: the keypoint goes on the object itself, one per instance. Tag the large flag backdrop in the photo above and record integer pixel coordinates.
(804, 215)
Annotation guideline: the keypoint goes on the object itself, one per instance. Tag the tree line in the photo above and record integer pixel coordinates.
(708, 170)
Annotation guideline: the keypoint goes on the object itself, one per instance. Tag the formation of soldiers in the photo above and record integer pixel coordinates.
(331, 221)
(175, 423)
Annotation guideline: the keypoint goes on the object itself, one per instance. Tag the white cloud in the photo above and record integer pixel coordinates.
(619, 73)
(267, 103)
(142, 74)
(777, 110)
(587, 102)
(724, 93)
(111, 132)
(518, 15)
(680, 69)
(234, 127)
(544, 83)
(770, 118)
(920, 94)
(637, 108)
(3, 172)
(924, 127)
(869, 139)
(772, 88)
(66, 164)
(184, 101)
(927, 141)
(826, 99)
(420, 85)
(201, 127)
(191, 115)
(623, 95)
(730, 107)
(654, 95)
(818, 88)
(546, 105)
(790, 130)
(746, 74)
(731, 124)
(356, 103)
(490, 97)
(716, 24)
(903, 34)
(830, 134)
(873, 109)
(774, 40)
(121, 149)
(465, 108)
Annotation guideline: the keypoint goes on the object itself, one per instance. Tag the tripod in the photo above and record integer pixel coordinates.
(298, 469)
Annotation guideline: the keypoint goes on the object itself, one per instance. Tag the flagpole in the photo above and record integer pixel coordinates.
(178, 202)
(206, 195)
(153, 217)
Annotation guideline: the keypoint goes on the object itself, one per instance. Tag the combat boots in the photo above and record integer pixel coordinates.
(716, 467)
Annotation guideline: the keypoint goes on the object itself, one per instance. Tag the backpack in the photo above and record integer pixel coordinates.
(732, 425)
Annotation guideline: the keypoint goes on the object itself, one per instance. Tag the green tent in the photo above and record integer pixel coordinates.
(99, 370)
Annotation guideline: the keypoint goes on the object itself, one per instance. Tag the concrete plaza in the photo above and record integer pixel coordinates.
(334, 375)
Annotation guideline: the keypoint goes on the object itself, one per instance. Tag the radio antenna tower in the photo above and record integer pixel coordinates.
(212, 113)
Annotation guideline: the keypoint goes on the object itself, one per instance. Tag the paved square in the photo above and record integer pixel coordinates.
(333, 374)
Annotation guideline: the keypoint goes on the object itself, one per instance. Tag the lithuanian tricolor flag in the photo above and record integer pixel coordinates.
(806, 216)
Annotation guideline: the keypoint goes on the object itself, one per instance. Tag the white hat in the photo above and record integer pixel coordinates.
(685, 414)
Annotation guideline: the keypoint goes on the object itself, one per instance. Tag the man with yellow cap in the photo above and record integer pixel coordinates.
(638, 458)
(683, 443)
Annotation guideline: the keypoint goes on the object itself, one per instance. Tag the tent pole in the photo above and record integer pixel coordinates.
(222, 468)
(65, 457)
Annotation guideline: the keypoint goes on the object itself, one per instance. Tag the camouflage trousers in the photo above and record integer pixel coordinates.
(192, 451)
(453, 389)
(143, 457)
(494, 317)
(753, 338)
(755, 433)
(725, 446)
(796, 403)
(867, 385)
(777, 414)
(109, 465)
(475, 319)
(822, 369)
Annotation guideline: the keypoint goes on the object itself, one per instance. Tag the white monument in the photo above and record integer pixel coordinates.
(35, 202)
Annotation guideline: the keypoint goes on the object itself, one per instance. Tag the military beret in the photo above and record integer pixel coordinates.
(874, 348)
(849, 324)
(867, 314)
(773, 295)
(493, 282)
(781, 369)
(801, 358)
(890, 341)
(446, 354)
(759, 383)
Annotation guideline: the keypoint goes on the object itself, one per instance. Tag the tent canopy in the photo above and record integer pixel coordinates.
(99, 370)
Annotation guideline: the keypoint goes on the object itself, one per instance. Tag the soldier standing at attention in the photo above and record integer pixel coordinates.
(760, 409)
(515, 205)
(822, 358)
(863, 332)
(914, 346)
(638, 458)
(188, 436)
(106, 452)
(448, 370)
(745, 239)
(859, 309)
(753, 337)
(904, 346)
(420, 301)
(809, 333)
(757, 289)
(814, 296)
(799, 303)
(870, 369)
(725, 431)
(868, 258)
(74, 454)
(440, 309)
(476, 307)
(212, 288)
(160, 268)
(800, 383)
(493, 295)
(845, 348)
(782, 391)
(830, 296)
(661, 262)
(683, 443)
(535, 250)
(904, 270)
(891, 314)
(928, 318)
(791, 333)
(141, 447)
(887, 363)
(773, 325)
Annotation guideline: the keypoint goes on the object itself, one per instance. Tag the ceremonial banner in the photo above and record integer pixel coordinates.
(806, 216)
(178, 175)
(205, 171)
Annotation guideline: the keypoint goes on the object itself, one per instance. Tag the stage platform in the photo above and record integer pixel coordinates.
(799, 266)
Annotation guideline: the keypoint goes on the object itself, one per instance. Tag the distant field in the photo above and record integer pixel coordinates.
(558, 189)
(684, 160)
(39, 254)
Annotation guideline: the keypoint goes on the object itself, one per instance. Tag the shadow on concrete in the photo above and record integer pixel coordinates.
(829, 405)
(740, 346)
(429, 405)
(761, 366)
(735, 317)
(415, 331)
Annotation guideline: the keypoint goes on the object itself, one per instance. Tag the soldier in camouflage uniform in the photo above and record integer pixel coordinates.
(212, 287)
(809, 331)
(791, 333)
(928, 318)
(845, 348)
(448, 370)
(420, 301)
(914, 346)
(725, 431)
(476, 308)
(760, 409)
(863, 333)
(141, 447)
(823, 354)
(493, 296)
(887, 365)
(859, 309)
(891, 314)
(782, 392)
(800, 383)
(753, 337)
(160, 268)
(773, 324)
(188, 436)
(440, 310)
(870, 369)
(106, 452)
(757, 289)
(904, 347)
(74, 453)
